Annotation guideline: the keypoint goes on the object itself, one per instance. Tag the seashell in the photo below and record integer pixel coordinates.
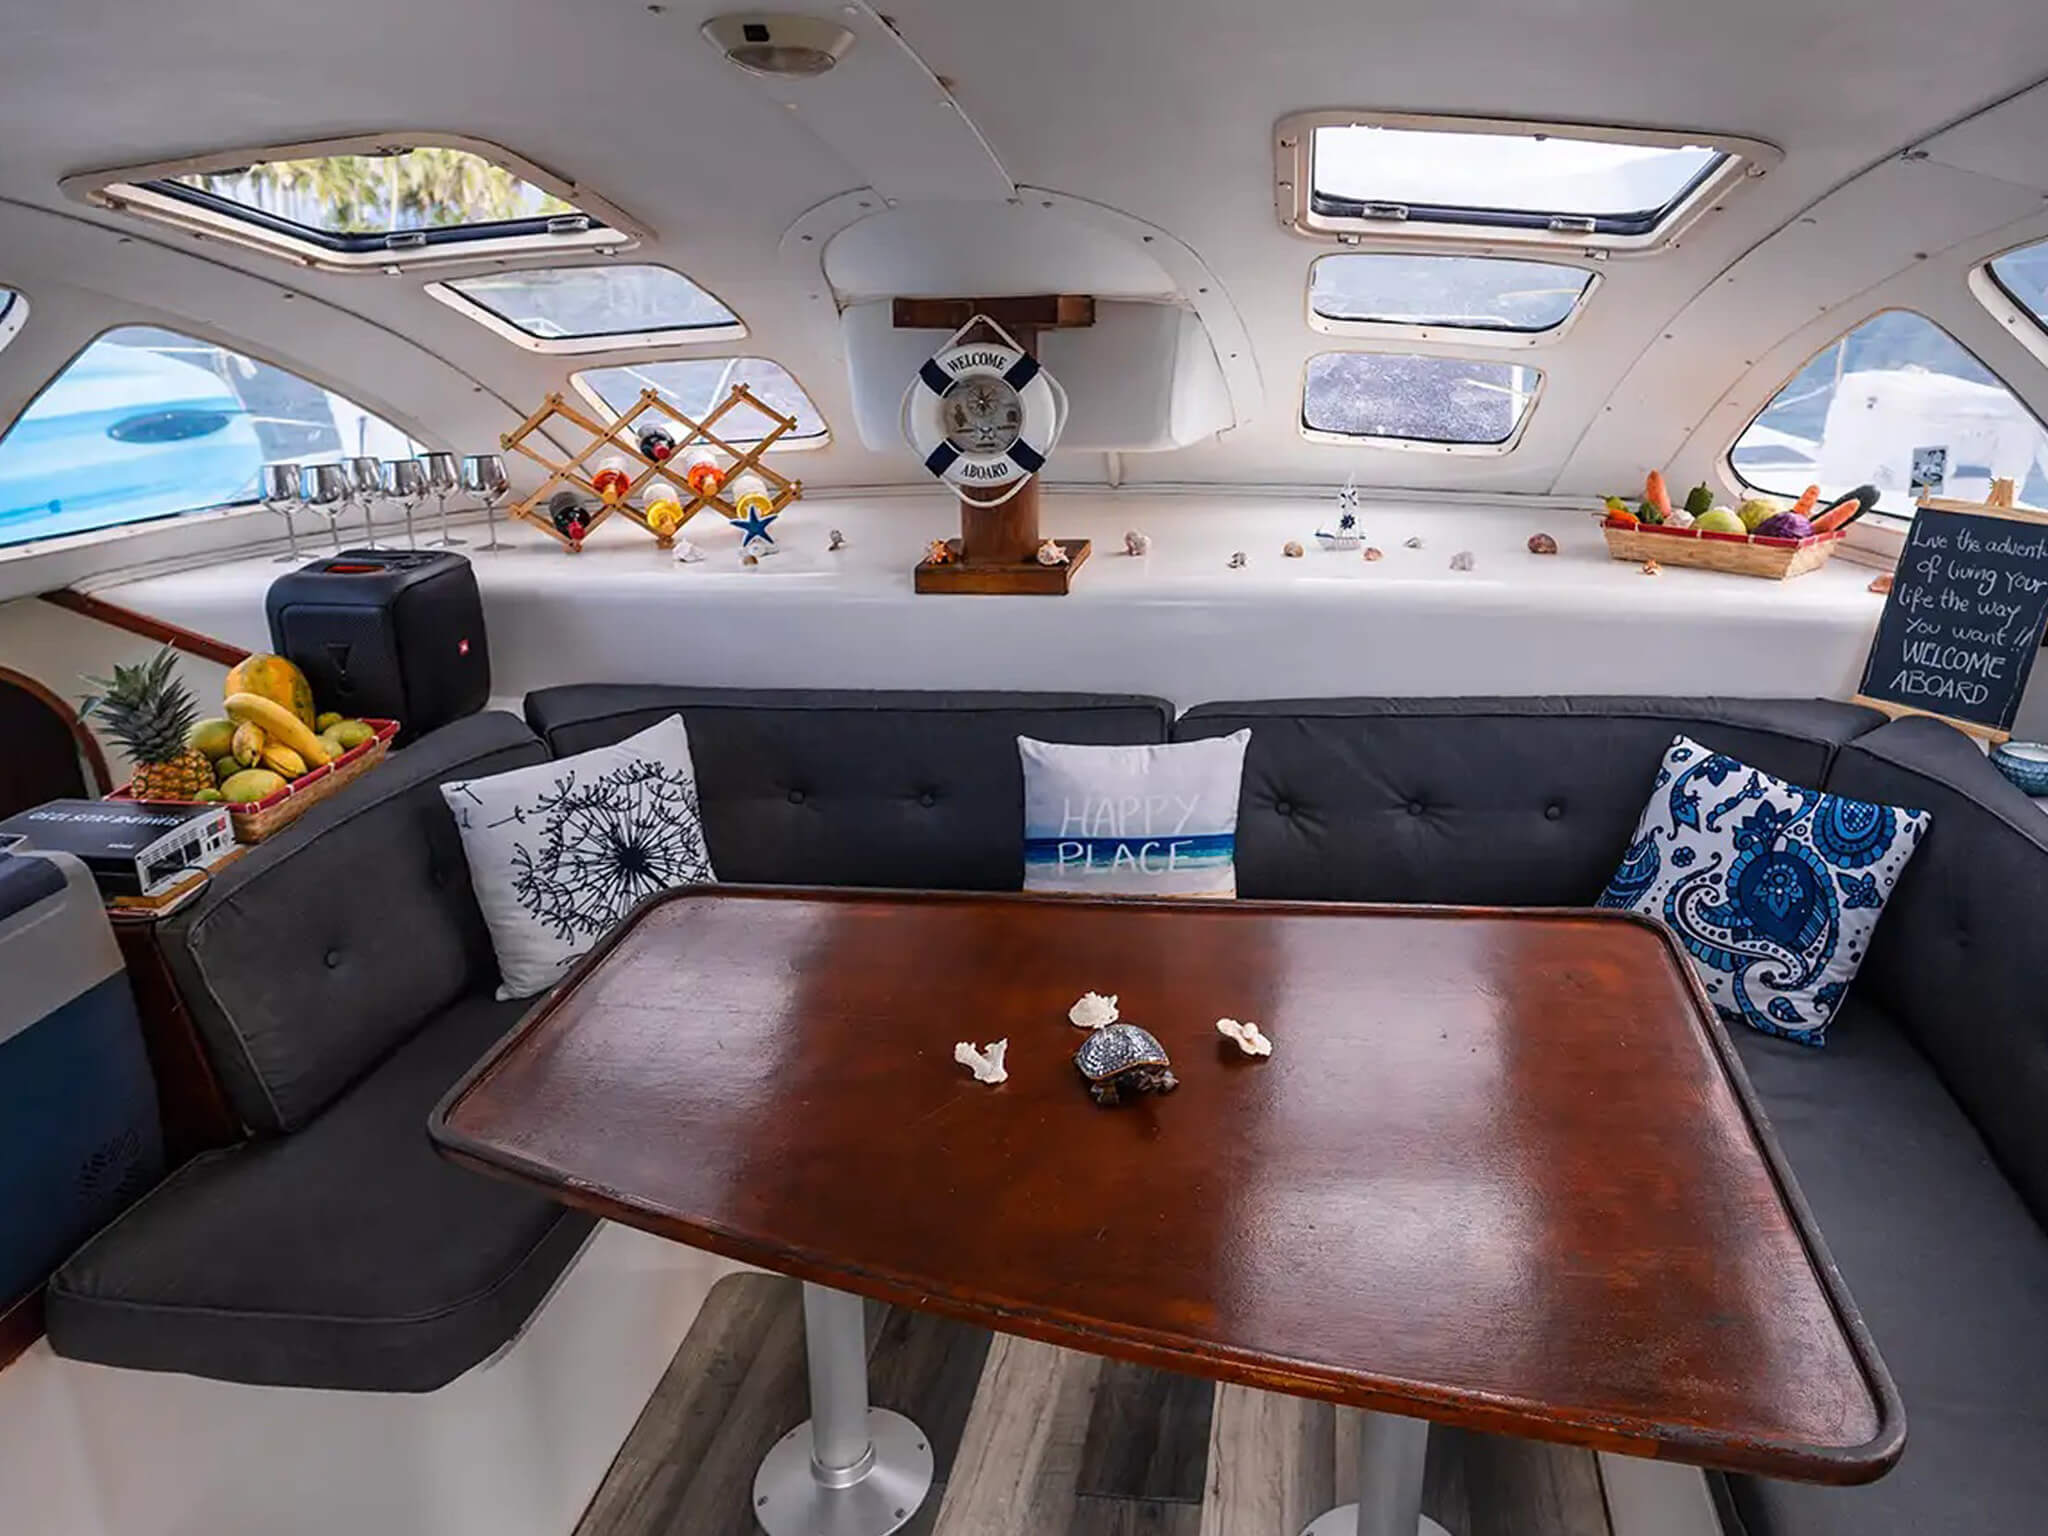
(749, 556)
(1291, 550)
(1542, 544)
(1651, 568)
(1237, 561)
(1093, 1011)
(687, 553)
(1414, 543)
(1375, 554)
(1136, 543)
(1881, 583)
(1050, 553)
(940, 552)
(987, 1063)
(835, 540)
(1247, 1035)
(1121, 1059)
(1462, 560)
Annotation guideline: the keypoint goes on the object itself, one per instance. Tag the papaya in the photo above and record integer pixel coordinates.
(275, 679)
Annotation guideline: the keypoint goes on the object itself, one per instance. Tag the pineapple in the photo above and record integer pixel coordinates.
(148, 711)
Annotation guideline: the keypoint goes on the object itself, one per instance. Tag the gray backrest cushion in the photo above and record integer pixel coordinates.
(1513, 802)
(317, 953)
(1961, 956)
(844, 788)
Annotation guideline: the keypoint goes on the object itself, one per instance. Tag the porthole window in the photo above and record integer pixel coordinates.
(591, 308)
(147, 424)
(2023, 275)
(1486, 299)
(1900, 404)
(694, 385)
(13, 312)
(1403, 400)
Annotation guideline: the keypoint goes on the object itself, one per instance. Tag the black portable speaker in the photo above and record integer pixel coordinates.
(391, 633)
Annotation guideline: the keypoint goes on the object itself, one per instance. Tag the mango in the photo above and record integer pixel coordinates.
(212, 738)
(352, 733)
(275, 679)
(326, 720)
(251, 785)
(225, 767)
(209, 795)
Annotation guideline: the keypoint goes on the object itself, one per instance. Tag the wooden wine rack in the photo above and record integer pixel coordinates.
(622, 436)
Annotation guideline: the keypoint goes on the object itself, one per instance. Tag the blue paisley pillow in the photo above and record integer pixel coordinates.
(1772, 889)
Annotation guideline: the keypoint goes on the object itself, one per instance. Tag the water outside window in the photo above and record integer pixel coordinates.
(1900, 404)
(695, 385)
(147, 424)
(1417, 399)
(612, 300)
(1466, 292)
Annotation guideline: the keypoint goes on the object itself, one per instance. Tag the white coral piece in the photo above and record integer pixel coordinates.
(986, 1063)
(1248, 1036)
(1136, 543)
(1093, 1011)
(687, 553)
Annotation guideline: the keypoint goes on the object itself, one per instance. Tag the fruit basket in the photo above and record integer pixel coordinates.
(1737, 553)
(257, 819)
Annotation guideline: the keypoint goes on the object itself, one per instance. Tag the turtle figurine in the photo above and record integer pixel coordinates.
(1121, 1059)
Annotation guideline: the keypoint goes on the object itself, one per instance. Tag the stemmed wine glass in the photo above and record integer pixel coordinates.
(483, 476)
(366, 478)
(280, 487)
(405, 482)
(444, 478)
(325, 487)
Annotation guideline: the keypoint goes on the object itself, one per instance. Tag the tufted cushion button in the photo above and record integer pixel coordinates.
(333, 959)
(1284, 807)
(1414, 807)
(796, 797)
(927, 798)
(1552, 811)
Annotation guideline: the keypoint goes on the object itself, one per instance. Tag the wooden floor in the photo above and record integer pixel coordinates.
(1036, 1441)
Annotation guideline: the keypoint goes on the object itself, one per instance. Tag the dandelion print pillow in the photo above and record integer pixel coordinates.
(558, 853)
(1132, 821)
(1772, 889)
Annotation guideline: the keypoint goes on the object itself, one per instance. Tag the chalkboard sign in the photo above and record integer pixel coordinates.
(1964, 617)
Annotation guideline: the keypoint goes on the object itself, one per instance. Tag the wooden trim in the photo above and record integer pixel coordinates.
(176, 636)
(88, 744)
(1047, 311)
(21, 1324)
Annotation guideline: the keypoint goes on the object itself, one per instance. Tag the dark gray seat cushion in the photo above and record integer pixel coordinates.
(1517, 802)
(830, 788)
(316, 953)
(1961, 956)
(1948, 1268)
(348, 1254)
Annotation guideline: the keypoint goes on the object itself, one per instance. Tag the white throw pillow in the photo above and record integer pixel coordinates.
(1132, 821)
(559, 852)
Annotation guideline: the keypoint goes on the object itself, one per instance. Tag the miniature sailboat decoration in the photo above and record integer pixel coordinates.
(1347, 535)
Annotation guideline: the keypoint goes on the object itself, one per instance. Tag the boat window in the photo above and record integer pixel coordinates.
(1404, 399)
(695, 385)
(1900, 404)
(583, 309)
(13, 311)
(2023, 274)
(1471, 293)
(147, 424)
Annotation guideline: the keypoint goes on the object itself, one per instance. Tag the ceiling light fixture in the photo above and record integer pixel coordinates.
(778, 44)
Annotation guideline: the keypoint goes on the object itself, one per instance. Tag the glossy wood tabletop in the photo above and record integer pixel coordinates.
(1501, 1168)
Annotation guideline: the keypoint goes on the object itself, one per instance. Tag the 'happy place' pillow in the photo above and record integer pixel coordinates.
(1772, 889)
(1132, 821)
(559, 852)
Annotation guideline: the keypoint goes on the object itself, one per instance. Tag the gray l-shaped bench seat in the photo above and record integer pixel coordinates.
(342, 981)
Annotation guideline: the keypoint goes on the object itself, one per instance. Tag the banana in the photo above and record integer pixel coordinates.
(246, 746)
(280, 725)
(282, 759)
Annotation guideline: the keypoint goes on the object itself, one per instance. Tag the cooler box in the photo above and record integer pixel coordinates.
(391, 633)
(79, 1135)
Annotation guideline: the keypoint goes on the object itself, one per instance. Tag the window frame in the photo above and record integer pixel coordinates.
(1326, 438)
(2007, 307)
(788, 443)
(572, 346)
(1744, 160)
(137, 190)
(13, 316)
(1503, 337)
(1883, 517)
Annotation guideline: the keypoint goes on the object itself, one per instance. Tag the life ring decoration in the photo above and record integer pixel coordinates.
(983, 415)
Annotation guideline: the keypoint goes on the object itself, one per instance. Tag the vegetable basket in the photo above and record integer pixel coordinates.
(1739, 554)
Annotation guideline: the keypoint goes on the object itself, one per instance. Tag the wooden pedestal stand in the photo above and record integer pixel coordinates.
(997, 551)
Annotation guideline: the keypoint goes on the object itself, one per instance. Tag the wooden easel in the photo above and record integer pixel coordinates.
(998, 545)
(1998, 503)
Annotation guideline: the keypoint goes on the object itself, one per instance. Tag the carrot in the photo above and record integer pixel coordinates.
(1807, 501)
(1621, 517)
(1835, 516)
(1660, 498)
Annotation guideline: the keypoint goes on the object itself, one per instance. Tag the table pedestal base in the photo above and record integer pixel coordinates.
(1391, 1451)
(850, 1469)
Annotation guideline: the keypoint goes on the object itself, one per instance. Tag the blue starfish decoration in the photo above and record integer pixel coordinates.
(754, 526)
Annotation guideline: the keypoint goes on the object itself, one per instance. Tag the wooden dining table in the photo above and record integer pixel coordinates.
(1501, 1170)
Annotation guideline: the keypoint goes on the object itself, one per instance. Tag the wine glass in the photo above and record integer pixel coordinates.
(444, 478)
(366, 478)
(325, 487)
(405, 482)
(280, 487)
(483, 476)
